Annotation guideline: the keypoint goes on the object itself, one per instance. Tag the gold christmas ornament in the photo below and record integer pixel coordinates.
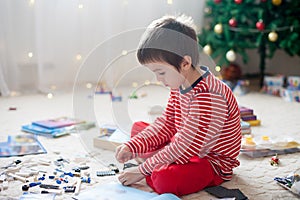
(207, 49)
(218, 28)
(273, 36)
(230, 55)
(276, 2)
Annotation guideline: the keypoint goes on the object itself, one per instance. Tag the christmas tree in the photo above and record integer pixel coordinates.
(234, 26)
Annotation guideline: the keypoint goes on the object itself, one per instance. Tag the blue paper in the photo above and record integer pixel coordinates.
(115, 191)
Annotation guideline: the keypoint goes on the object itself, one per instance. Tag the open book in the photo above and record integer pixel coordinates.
(57, 122)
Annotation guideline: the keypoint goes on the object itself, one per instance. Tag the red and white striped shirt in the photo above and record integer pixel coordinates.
(202, 120)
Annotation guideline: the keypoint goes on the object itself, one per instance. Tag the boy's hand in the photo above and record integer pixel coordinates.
(123, 153)
(130, 176)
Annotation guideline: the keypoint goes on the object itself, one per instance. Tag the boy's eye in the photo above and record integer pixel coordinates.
(161, 73)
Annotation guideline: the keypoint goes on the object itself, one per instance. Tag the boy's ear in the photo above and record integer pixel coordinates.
(186, 63)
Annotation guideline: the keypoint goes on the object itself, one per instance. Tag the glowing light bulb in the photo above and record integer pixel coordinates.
(124, 52)
(78, 57)
(49, 95)
(31, 2)
(218, 68)
(147, 82)
(30, 54)
(80, 6)
(170, 2)
(89, 85)
(134, 84)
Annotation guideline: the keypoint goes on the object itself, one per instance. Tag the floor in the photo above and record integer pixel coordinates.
(254, 177)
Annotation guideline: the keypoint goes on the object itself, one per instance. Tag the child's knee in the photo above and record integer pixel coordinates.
(165, 181)
(182, 179)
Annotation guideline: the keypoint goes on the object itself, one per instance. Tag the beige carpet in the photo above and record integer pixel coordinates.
(254, 177)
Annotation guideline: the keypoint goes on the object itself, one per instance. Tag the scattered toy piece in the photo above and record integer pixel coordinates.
(20, 178)
(86, 179)
(274, 160)
(106, 173)
(77, 188)
(113, 167)
(69, 189)
(12, 108)
(27, 186)
(291, 182)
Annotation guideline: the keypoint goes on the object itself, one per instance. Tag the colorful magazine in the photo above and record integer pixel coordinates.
(38, 130)
(20, 145)
(56, 132)
(57, 122)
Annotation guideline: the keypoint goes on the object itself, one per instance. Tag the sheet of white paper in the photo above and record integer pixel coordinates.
(119, 136)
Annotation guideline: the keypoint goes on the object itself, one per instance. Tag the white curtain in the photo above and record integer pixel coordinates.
(44, 42)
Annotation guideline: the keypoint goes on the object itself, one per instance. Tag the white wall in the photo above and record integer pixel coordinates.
(55, 31)
(281, 63)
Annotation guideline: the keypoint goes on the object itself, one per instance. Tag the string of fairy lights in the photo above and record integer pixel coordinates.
(78, 57)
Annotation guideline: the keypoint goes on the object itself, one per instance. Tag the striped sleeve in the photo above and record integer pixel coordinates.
(199, 132)
(160, 132)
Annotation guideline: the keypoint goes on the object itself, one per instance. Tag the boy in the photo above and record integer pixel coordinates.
(196, 142)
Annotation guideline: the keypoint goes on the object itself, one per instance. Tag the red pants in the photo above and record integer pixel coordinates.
(177, 178)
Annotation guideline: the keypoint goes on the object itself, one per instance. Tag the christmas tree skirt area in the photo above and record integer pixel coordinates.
(254, 177)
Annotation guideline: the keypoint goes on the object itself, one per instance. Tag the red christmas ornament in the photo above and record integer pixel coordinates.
(217, 1)
(260, 25)
(238, 1)
(263, 1)
(232, 22)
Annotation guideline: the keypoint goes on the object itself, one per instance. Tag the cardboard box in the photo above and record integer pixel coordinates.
(103, 142)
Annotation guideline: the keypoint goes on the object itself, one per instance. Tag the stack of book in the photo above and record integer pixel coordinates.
(57, 127)
(247, 115)
(246, 128)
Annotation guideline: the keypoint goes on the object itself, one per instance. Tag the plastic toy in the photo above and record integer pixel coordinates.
(274, 160)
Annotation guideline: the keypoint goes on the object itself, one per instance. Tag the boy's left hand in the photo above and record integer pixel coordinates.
(130, 176)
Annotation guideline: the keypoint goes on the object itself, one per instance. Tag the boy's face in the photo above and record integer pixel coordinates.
(167, 74)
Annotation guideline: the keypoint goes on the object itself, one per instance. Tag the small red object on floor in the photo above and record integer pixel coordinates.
(274, 160)
(12, 108)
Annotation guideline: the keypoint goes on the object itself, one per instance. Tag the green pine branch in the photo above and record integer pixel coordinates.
(283, 19)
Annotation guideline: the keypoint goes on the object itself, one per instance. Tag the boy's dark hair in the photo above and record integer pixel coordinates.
(169, 39)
